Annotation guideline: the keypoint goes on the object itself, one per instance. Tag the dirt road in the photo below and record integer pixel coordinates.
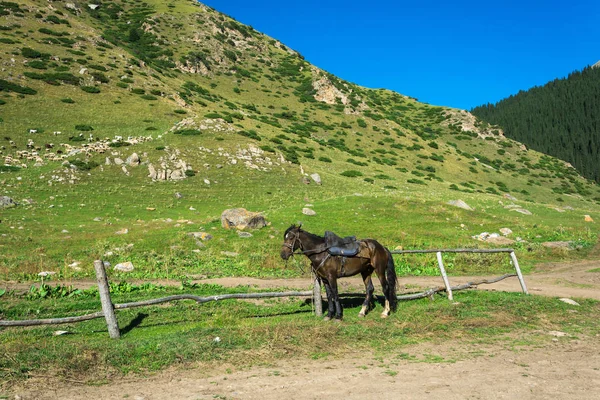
(563, 368)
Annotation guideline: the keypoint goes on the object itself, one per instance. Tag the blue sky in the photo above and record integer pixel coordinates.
(452, 53)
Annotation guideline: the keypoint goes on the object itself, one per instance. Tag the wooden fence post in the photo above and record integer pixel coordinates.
(515, 264)
(444, 276)
(317, 300)
(107, 306)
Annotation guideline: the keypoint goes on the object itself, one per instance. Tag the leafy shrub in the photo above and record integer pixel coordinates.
(119, 144)
(416, 181)
(178, 111)
(100, 77)
(90, 89)
(30, 53)
(351, 173)
(384, 177)
(252, 134)
(189, 173)
(9, 168)
(84, 165)
(83, 128)
(149, 97)
(78, 138)
(122, 85)
(325, 159)
(369, 180)
(138, 91)
(188, 132)
(361, 122)
(13, 87)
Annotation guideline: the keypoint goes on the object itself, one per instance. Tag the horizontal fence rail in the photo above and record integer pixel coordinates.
(108, 308)
(449, 288)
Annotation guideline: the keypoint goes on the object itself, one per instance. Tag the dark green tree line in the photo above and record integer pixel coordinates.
(561, 118)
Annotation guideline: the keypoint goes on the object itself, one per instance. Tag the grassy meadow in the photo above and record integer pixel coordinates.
(180, 82)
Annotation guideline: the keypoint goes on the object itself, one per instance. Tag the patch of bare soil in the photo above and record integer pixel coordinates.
(562, 368)
(565, 369)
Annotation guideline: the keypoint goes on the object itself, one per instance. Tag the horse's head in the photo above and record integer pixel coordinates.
(291, 241)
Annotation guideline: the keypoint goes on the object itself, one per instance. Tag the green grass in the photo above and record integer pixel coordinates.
(156, 337)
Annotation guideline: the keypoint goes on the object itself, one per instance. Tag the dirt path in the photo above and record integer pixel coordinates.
(564, 368)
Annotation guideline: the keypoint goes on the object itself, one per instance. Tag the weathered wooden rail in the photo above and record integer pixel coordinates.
(442, 269)
(108, 308)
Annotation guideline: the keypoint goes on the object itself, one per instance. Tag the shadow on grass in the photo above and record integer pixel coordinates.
(137, 321)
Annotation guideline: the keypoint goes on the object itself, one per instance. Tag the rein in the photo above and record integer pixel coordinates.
(299, 250)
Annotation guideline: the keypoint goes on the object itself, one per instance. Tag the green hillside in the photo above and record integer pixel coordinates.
(222, 116)
(561, 118)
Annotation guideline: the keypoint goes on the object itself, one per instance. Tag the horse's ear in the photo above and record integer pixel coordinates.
(299, 225)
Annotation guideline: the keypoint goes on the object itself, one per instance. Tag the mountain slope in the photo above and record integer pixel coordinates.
(561, 118)
(220, 116)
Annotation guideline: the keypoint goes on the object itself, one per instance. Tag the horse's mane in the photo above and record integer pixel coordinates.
(298, 227)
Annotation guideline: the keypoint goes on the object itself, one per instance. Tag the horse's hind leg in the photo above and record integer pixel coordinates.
(384, 286)
(367, 304)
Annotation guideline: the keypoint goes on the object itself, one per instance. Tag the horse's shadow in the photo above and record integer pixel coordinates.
(137, 321)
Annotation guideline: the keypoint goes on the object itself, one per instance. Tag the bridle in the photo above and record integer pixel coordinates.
(305, 252)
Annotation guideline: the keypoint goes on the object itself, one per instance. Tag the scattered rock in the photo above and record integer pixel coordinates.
(240, 218)
(522, 211)
(460, 204)
(558, 245)
(118, 161)
(509, 197)
(44, 274)
(124, 267)
(230, 253)
(97, 219)
(150, 208)
(557, 333)
(178, 195)
(493, 238)
(587, 218)
(7, 202)
(569, 301)
(506, 231)
(133, 160)
(200, 235)
(244, 234)
(123, 231)
(308, 211)
(316, 177)
(305, 180)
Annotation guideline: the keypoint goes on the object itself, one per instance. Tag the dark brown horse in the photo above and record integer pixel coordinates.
(371, 257)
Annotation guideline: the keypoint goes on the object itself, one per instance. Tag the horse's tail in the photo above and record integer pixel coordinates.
(392, 281)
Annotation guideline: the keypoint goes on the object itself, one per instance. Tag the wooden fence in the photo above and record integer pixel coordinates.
(108, 308)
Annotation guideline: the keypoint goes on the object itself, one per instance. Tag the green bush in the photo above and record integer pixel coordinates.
(351, 173)
(138, 91)
(188, 132)
(83, 127)
(178, 111)
(30, 53)
(13, 87)
(149, 97)
(90, 89)
(325, 159)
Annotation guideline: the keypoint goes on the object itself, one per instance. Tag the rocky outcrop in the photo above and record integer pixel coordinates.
(240, 218)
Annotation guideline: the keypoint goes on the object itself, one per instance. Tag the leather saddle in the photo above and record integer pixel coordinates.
(337, 246)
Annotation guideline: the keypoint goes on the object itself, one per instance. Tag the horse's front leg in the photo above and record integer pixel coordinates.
(330, 301)
(336, 299)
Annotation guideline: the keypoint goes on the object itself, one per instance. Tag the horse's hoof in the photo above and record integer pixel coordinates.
(337, 320)
(326, 318)
(384, 315)
(361, 315)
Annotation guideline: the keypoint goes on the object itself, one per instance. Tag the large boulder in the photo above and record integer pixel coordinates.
(7, 202)
(240, 218)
